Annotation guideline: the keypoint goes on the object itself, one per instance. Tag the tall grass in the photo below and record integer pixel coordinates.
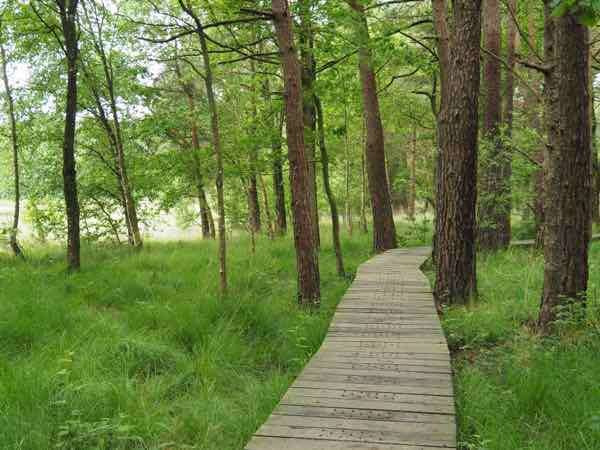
(516, 390)
(139, 351)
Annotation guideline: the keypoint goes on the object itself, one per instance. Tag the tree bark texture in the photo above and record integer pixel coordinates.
(493, 215)
(384, 229)
(304, 239)
(457, 194)
(68, 18)
(568, 179)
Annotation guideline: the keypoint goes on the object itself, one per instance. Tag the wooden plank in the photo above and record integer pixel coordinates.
(382, 378)
(365, 414)
(341, 434)
(275, 443)
(326, 402)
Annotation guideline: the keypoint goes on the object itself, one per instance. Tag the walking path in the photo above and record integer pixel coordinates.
(382, 378)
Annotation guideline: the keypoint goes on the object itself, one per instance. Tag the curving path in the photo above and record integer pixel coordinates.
(382, 378)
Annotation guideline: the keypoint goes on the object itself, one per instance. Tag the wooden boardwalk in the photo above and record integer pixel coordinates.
(382, 378)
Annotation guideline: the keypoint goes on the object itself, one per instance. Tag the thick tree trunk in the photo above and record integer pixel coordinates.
(309, 68)
(493, 212)
(457, 194)
(335, 218)
(12, 241)
(384, 230)
(568, 178)
(304, 239)
(68, 17)
(412, 175)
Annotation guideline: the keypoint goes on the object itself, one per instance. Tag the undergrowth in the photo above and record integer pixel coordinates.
(515, 389)
(138, 350)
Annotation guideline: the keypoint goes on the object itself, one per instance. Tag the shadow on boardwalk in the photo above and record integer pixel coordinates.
(382, 378)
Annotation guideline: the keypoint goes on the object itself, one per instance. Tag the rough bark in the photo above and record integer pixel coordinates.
(309, 67)
(335, 218)
(568, 175)
(68, 17)
(14, 141)
(457, 194)
(440, 24)
(493, 212)
(550, 116)
(216, 141)
(306, 255)
(384, 230)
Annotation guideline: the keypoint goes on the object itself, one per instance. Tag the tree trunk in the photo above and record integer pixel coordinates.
(457, 195)
(363, 225)
(308, 106)
(68, 17)
(384, 230)
(531, 106)
(505, 229)
(493, 213)
(267, 208)
(278, 183)
(335, 219)
(412, 177)
(115, 130)
(13, 241)
(568, 178)
(216, 142)
(253, 202)
(595, 163)
(440, 25)
(207, 223)
(304, 239)
(348, 205)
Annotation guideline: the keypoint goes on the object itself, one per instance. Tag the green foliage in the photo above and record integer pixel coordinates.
(516, 390)
(587, 12)
(138, 351)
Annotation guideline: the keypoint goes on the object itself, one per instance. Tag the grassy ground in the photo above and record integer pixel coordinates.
(516, 390)
(139, 351)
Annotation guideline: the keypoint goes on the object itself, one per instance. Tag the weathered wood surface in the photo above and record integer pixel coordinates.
(382, 379)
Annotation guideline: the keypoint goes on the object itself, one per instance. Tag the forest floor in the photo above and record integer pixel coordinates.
(138, 350)
(515, 389)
